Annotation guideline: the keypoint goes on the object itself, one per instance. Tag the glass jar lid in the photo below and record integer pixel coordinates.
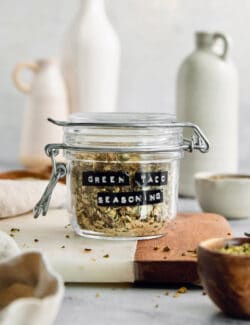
(122, 119)
(129, 132)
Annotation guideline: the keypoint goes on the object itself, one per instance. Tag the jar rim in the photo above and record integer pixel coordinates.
(122, 118)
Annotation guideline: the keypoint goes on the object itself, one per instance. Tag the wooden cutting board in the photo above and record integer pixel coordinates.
(170, 259)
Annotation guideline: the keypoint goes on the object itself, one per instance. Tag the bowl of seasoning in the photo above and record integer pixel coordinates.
(224, 270)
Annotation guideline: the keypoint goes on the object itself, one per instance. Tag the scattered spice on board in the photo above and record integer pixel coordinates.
(87, 250)
(14, 229)
(36, 240)
(12, 235)
(106, 256)
(204, 293)
(167, 293)
(192, 251)
(67, 236)
(180, 291)
(101, 207)
(156, 248)
(156, 306)
(243, 249)
(63, 246)
(166, 249)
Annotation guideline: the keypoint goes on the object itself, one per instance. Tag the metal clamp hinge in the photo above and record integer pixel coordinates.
(198, 140)
(59, 170)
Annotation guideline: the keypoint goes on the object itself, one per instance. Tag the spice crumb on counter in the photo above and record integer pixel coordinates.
(180, 291)
(62, 246)
(166, 249)
(87, 250)
(67, 236)
(12, 235)
(192, 251)
(106, 256)
(14, 230)
(167, 293)
(155, 248)
(156, 306)
(36, 240)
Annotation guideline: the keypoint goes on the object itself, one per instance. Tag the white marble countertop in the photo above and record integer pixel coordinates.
(127, 304)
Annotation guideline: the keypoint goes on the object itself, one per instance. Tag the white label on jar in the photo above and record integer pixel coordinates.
(95, 178)
(136, 193)
(129, 198)
(151, 178)
(91, 178)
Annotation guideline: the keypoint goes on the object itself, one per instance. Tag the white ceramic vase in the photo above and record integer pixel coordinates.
(46, 98)
(207, 95)
(91, 60)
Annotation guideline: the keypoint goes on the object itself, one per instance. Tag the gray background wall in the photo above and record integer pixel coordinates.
(156, 35)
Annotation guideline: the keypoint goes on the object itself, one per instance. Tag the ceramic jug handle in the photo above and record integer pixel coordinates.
(226, 43)
(24, 87)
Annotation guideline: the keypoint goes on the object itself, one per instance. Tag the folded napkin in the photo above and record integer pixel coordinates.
(8, 246)
(19, 196)
(30, 290)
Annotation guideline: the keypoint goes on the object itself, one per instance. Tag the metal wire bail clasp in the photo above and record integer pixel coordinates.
(59, 170)
(198, 139)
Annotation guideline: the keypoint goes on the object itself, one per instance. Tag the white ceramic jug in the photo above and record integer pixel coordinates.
(91, 60)
(46, 98)
(207, 94)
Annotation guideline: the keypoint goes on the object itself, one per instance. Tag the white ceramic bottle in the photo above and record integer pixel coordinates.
(91, 60)
(207, 94)
(46, 97)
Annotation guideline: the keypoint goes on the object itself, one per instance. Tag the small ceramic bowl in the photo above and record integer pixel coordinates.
(226, 277)
(30, 291)
(224, 194)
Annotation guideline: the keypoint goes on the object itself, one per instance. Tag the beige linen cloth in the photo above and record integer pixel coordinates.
(30, 290)
(19, 196)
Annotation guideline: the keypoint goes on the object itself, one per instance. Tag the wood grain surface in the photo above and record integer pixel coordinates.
(39, 173)
(173, 258)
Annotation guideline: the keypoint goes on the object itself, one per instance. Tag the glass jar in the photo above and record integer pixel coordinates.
(122, 172)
